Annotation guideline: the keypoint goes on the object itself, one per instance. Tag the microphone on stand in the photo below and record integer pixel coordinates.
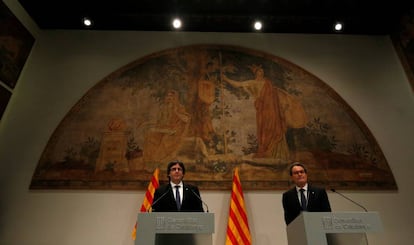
(198, 197)
(349, 199)
(155, 202)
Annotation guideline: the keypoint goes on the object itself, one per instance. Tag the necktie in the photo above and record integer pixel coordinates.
(177, 196)
(303, 199)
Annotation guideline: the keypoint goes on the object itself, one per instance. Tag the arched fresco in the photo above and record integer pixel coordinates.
(213, 107)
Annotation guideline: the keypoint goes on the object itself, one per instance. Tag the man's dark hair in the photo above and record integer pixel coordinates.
(297, 164)
(172, 164)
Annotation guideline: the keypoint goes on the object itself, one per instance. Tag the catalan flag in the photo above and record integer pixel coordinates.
(238, 232)
(149, 196)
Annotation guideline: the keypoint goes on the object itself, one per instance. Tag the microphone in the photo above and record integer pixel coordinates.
(159, 198)
(195, 194)
(349, 199)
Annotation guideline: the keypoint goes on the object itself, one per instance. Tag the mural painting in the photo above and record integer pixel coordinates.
(15, 45)
(403, 40)
(213, 107)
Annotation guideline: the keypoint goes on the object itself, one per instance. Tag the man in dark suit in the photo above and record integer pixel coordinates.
(314, 199)
(176, 196)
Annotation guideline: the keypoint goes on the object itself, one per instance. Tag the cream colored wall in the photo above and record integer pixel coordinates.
(63, 65)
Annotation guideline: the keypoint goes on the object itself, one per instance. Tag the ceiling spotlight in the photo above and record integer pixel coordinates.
(338, 26)
(87, 22)
(258, 25)
(177, 23)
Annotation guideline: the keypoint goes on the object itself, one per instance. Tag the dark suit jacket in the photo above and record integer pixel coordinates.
(317, 202)
(190, 202)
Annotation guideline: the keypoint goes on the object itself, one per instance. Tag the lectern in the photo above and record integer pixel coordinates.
(332, 228)
(169, 228)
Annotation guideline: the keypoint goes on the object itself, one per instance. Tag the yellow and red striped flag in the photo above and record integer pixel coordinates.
(149, 196)
(238, 232)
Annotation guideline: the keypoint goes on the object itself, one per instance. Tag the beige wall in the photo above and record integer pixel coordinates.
(63, 65)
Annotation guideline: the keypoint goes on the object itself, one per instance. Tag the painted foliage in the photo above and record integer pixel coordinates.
(214, 108)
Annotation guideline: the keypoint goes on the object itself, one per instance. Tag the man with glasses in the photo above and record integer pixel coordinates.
(304, 196)
(177, 196)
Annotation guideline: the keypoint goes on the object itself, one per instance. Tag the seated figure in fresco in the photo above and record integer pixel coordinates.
(276, 110)
(164, 139)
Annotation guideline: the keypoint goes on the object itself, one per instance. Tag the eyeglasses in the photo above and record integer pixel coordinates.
(298, 172)
(176, 169)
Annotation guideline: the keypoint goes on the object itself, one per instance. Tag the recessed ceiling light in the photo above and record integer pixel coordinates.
(338, 26)
(87, 22)
(177, 23)
(258, 25)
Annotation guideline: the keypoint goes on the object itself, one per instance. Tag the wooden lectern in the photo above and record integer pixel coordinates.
(170, 228)
(332, 228)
